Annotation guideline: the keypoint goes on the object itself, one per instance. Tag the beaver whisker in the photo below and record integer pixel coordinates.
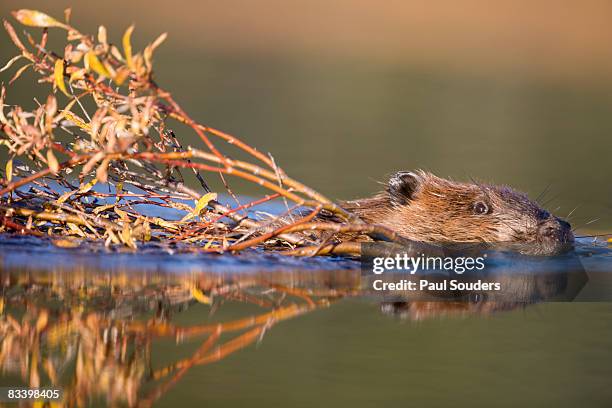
(585, 224)
(542, 194)
(567, 217)
(545, 203)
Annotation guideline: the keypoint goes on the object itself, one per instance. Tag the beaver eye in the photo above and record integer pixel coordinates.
(481, 208)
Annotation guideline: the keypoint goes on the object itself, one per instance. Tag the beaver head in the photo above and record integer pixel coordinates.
(422, 207)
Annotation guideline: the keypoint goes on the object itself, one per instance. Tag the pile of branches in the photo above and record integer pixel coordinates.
(82, 164)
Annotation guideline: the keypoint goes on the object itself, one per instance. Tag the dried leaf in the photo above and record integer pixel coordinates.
(11, 32)
(52, 162)
(50, 111)
(34, 18)
(112, 237)
(102, 171)
(92, 162)
(127, 46)
(58, 76)
(122, 214)
(93, 63)
(102, 37)
(19, 72)
(101, 208)
(2, 96)
(148, 52)
(10, 62)
(126, 236)
(162, 37)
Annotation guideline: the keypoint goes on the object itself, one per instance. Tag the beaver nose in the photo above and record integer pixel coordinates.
(564, 224)
(556, 229)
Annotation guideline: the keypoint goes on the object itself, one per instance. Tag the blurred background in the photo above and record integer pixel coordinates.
(343, 93)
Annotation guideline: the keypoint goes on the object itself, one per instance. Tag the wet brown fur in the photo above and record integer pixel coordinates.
(433, 209)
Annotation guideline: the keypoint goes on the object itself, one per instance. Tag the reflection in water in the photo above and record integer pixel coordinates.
(93, 334)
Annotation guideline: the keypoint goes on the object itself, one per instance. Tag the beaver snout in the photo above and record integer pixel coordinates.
(556, 230)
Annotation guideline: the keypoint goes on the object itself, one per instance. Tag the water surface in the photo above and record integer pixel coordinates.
(118, 325)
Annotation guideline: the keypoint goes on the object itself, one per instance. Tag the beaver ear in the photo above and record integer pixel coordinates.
(402, 187)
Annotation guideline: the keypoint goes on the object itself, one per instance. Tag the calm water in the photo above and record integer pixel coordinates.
(120, 326)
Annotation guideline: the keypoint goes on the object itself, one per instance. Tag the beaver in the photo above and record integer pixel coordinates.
(422, 207)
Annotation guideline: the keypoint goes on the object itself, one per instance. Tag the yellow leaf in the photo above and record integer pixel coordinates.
(127, 46)
(200, 205)
(58, 76)
(34, 18)
(93, 63)
(121, 75)
(164, 224)
(62, 114)
(64, 197)
(85, 188)
(203, 201)
(77, 75)
(82, 190)
(76, 120)
(9, 170)
(200, 296)
(52, 162)
(101, 208)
